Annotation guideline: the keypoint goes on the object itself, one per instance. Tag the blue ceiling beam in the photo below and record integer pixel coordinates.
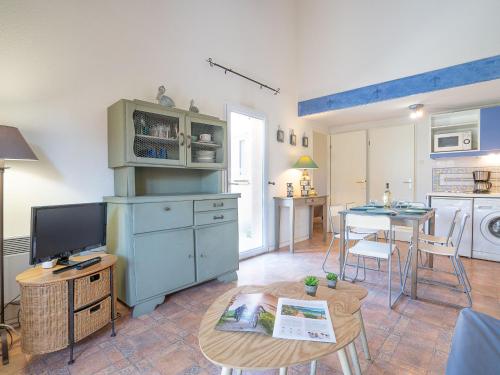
(457, 75)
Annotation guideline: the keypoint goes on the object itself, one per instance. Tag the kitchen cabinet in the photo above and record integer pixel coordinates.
(168, 243)
(443, 220)
(148, 134)
(490, 129)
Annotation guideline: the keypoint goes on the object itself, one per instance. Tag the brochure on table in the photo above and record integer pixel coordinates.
(284, 318)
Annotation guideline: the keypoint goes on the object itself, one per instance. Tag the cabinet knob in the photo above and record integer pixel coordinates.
(167, 208)
(218, 217)
(220, 204)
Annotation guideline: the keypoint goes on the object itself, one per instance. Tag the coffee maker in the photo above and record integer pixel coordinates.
(482, 182)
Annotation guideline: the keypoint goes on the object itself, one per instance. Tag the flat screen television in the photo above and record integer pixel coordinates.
(57, 232)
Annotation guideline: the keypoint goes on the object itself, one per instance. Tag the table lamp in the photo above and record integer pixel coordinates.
(305, 162)
(12, 147)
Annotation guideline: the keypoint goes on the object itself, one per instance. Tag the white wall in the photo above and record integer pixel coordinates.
(62, 63)
(349, 44)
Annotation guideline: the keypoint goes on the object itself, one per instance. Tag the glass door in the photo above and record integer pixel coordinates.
(247, 177)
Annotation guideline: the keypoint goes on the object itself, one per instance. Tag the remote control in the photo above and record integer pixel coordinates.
(88, 263)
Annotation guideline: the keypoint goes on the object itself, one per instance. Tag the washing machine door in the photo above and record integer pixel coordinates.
(490, 228)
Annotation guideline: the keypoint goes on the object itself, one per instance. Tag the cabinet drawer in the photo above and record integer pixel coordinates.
(314, 201)
(91, 288)
(213, 217)
(215, 204)
(92, 318)
(150, 217)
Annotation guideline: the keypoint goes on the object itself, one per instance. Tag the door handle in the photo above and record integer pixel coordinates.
(181, 135)
(409, 181)
(361, 182)
(271, 183)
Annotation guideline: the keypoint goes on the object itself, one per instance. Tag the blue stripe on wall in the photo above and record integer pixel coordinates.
(458, 75)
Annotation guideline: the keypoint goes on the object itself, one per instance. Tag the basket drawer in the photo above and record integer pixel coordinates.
(92, 318)
(91, 288)
(215, 204)
(214, 217)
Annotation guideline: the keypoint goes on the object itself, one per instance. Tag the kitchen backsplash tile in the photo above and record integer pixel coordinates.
(460, 180)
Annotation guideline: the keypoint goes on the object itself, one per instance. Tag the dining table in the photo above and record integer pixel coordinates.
(407, 217)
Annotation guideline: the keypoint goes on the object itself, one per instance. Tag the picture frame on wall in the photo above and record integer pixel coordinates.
(305, 141)
(293, 138)
(280, 135)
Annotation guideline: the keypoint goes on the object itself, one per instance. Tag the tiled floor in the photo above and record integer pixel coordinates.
(414, 338)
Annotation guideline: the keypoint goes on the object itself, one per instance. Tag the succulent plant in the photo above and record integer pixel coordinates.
(311, 281)
(332, 276)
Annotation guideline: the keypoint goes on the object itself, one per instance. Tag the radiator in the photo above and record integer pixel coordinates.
(16, 260)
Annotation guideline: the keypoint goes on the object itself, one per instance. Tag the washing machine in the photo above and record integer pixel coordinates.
(486, 234)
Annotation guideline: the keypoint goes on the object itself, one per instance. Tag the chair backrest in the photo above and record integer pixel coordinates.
(377, 222)
(463, 222)
(333, 211)
(453, 224)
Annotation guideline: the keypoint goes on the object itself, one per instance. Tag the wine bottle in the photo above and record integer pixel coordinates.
(387, 198)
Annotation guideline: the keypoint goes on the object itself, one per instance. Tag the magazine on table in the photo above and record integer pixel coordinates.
(284, 318)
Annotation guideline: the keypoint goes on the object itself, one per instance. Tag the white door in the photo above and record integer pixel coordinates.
(246, 176)
(391, 159)
(348, 165)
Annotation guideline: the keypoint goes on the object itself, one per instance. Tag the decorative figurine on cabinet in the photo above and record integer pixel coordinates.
(163, 99)
(289, 190)
(193, 108)
(280, 135)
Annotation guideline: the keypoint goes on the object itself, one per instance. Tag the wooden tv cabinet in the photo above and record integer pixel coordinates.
(58, 310)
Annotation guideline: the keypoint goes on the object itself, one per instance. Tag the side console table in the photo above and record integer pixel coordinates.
(58, 310)
(292, 203)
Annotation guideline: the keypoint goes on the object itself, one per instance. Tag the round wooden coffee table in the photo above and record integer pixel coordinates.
(248, 351)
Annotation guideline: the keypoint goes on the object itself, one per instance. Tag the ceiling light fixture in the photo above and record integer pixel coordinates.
(416, 110)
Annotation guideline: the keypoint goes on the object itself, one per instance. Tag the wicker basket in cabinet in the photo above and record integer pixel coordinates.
(58, 310)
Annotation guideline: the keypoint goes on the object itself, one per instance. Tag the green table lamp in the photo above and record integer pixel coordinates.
(12, 147)
(305, 162)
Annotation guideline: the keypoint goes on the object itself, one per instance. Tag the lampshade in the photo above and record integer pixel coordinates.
(305, 162)
(13, 146)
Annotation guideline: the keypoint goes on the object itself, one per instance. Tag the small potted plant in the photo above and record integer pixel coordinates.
(311, 285)
(332, 280)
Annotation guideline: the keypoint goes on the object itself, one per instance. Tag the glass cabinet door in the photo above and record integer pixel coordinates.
(157, 136)
(206, 143)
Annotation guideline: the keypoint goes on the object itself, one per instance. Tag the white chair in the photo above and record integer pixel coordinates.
(445, 250)
(373, 249)
(355, 235)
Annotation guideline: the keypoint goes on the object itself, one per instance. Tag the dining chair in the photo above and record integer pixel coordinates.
(450, 251)
(373, 249)
(356, 234)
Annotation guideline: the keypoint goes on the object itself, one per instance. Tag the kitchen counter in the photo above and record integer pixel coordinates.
(463, 195)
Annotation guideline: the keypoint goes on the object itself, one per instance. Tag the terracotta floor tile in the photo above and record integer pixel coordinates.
(412, 338)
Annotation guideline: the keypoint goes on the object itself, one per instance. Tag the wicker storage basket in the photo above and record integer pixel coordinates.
(91, 288)
(92, 318)
(41, 334)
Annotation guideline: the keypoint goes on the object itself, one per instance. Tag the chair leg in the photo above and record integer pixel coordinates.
(464, 273)
(406, 269)
(354, 358)
(399, 268)
(342, 273)
(344, 362)
(362, 335)
(283, 370)
(462, 282)
(328, 253)
(237, 371)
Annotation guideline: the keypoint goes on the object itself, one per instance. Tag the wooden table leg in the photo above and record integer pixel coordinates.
(354, 358)
(362, 334)
(314, 365)
(292, 227)
(277, 219)
(283, 370)
(344, 362)
(226, 371)
(325, 222)
(414, 260)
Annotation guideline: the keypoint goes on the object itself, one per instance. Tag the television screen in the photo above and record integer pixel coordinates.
(58, 231)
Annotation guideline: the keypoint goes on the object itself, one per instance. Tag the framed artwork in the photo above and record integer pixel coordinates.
(280, 135)
(305, 141)
(293, 138)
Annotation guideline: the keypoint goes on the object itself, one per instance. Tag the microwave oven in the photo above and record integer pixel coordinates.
(452, 141)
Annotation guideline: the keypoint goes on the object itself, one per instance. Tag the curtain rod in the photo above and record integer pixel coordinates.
(212, 64)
